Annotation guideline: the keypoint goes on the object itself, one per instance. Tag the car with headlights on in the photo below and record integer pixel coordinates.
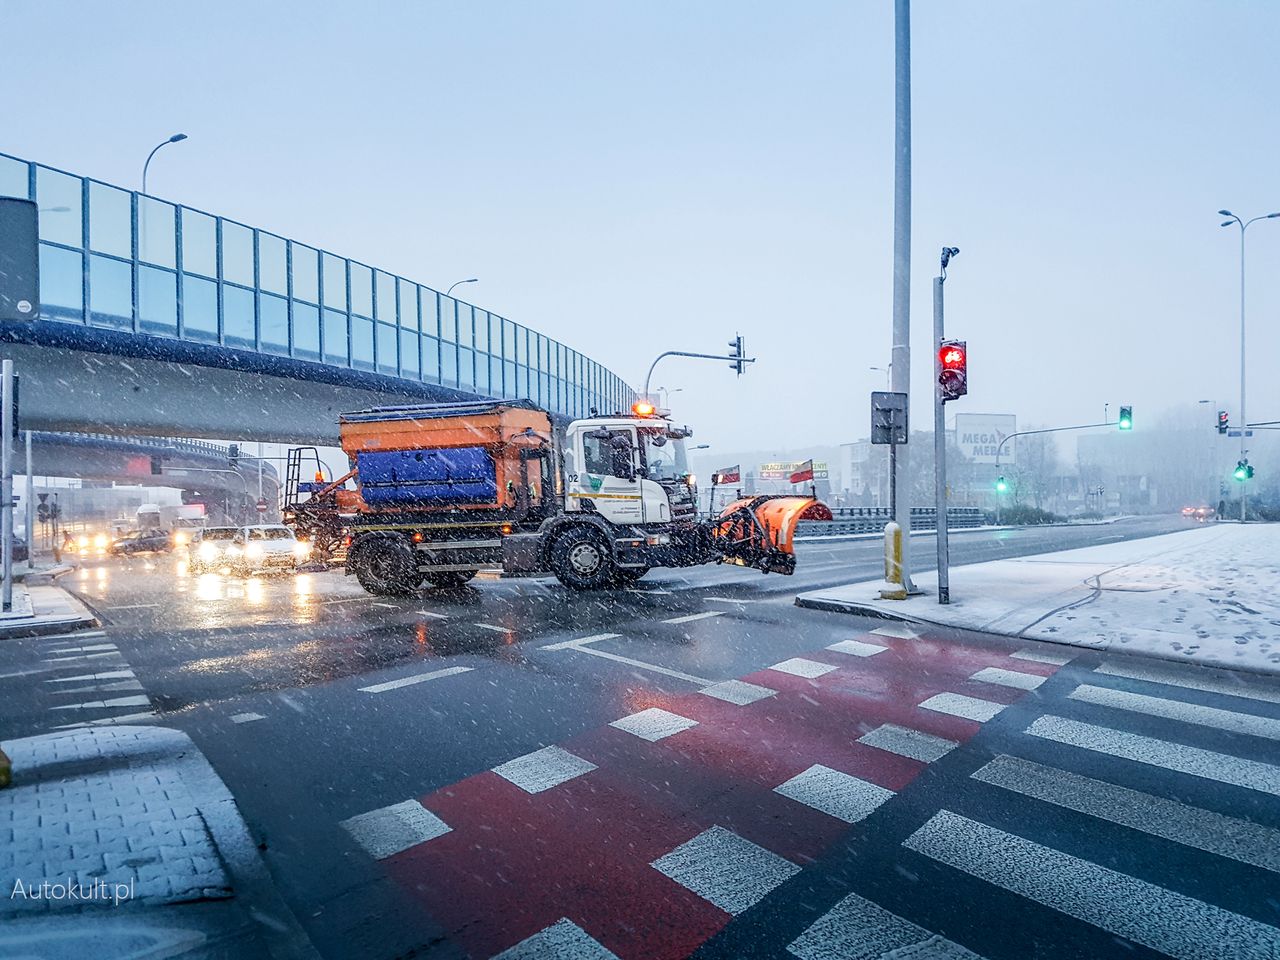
(266, 547)
(210, 547)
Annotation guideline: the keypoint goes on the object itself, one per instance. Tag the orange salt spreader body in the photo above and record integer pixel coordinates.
(760, 531)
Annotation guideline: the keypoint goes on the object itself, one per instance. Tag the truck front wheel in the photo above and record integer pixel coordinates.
(385, 566)
(580, 559)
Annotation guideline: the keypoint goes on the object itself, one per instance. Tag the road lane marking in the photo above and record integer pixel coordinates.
(416, 678)
(1125, 906)
(835, 793)
(110, 721)
(109, 675)
(738, 692)
(800, 667)
(899, 631)
(1009, 678)
(394, 829)
(543, 769)
(1191, 826)
(1035, 656)
(857, 648)
(654, 724)
(133, 606)
(138, 701)
(93, 648)
(85, 656)
(689, 618)
(958, 705)
(729, 600)
(906, 742)
(388, 606)
(344, 600)
(246, 717)
(566, 644)
(114, 686)
(661, 593)
(725, 869)
(1180, 710)
(432, 615)
(1194, 679)
(563, 939)
(857, 929)
(493, 627)
(77, 635)
(1220, 767)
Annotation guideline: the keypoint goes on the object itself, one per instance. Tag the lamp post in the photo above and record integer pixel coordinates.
(452, 285)
(176, 138)
(1244, 430)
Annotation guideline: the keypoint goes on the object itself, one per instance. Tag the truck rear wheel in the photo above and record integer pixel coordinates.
(386, 566)
(449, 578)
(580, 559)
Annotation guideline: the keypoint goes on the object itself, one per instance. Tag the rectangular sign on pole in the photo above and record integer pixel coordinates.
(19, 259)
(889, 417)
(979, 436)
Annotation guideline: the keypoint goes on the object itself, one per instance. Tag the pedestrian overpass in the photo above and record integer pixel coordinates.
(158, 319)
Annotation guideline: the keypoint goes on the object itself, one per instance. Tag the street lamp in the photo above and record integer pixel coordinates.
(1244, 421)
(888, 375)
(176, 138)
(452, 285)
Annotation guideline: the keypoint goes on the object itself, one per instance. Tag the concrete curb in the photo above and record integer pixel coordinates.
(36, 627)
(857, 609)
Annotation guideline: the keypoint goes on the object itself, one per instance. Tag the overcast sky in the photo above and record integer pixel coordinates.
(632, 178)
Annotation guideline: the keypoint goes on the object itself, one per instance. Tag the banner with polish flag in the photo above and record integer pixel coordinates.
(803, 472)
(728, 474)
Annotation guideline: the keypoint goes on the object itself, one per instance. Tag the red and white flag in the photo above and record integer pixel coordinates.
(802, 472)
(729, 475)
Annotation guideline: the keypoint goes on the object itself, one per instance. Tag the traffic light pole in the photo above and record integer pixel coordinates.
(1027, 433)
(699, 356)
(940, 449)
(6, 486)
(29, 499)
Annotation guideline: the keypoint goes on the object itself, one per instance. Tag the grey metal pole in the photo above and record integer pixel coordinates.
(902, 266)
(6, 485)
(1244, 420)
(940, 449)
(29, 499)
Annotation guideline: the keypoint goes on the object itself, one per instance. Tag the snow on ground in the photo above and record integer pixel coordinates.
(1210, 594)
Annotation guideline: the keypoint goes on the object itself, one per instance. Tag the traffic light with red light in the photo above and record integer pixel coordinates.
(953, 369)
(1224, 421)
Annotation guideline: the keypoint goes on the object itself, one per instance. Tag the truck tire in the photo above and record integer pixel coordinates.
(580, 559)
(386, 566)
(449, 578)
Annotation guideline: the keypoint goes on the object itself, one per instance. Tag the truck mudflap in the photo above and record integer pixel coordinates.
(760, 531)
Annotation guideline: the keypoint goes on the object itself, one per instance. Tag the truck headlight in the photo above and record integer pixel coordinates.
(253, 550)
(100, 541)
(302, 550)
(208, 551)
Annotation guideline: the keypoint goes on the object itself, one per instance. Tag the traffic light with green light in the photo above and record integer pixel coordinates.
(1243, 471)
(1126, 418)
(1001, 486)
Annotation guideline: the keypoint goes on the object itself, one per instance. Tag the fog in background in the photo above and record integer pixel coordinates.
(631, 178)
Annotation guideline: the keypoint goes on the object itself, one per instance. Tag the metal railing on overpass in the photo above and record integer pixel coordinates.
(856, 520)
(122, 261)
(159, 444)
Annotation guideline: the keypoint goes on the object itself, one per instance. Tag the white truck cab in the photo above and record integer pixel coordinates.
(629, 470)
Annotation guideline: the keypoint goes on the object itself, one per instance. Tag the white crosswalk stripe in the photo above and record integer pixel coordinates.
(1228, 720)
(1195, 678)
(1208, 764)
(1125, 906)
(857, 929)
(1205, 830)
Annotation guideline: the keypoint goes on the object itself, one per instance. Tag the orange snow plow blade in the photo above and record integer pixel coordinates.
(760, 531)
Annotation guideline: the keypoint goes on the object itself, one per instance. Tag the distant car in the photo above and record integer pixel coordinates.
(147, 541)
(210, 548)
(267, 546)
(20, 551)
(1188, 511)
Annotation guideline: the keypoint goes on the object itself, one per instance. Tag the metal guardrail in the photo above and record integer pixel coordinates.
(203, 447)
(855, 520)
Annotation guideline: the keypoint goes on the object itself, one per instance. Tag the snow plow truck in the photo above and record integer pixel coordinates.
(437, 492)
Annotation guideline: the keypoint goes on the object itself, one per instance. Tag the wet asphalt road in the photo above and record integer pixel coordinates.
(317, 703)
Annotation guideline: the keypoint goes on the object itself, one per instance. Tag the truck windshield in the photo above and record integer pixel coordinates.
(664, 455)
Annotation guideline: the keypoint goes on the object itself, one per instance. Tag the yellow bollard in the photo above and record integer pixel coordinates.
(894, 589)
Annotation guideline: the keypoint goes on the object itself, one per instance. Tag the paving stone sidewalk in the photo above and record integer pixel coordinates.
(122, 842)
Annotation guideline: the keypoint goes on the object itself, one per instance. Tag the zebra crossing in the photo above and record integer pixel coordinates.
(76, 680)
